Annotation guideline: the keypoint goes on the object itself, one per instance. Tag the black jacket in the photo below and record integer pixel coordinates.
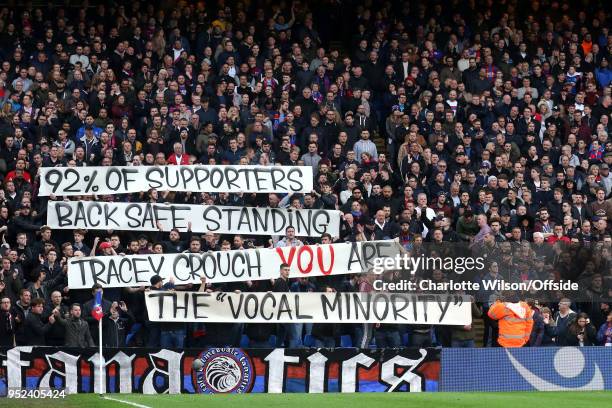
(57, 333)
(280, 285)
(35, 330)
(171, 247)
(19, 313)
(389, 231)
(7, 329)
(115, 331)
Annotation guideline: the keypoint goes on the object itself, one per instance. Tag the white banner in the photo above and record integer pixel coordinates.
(203, 218)
(308, 307)
(70, 181)
(229, 266)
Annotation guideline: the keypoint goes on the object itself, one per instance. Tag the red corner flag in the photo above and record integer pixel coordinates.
(97, 311)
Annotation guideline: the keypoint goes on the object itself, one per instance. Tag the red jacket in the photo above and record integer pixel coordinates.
(553, 238)
(173, 159)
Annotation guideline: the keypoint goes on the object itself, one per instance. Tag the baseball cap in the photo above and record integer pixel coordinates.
(105, 245)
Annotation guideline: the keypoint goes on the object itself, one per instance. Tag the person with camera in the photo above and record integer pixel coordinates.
(116, 325)
(558, 326)
(581, 332)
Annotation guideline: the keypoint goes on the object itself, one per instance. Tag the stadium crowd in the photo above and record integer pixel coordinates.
(482, 124)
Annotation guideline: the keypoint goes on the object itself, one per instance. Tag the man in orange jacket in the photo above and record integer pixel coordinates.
(515, 320)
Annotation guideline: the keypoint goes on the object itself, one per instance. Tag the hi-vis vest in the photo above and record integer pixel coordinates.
(515, 323)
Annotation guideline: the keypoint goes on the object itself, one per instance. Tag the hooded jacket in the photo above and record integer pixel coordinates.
(515, 323)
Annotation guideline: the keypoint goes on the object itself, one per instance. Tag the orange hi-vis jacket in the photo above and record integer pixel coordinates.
(515, 323)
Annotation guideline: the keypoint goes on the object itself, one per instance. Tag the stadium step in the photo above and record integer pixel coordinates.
(381, 146)
(478, 328)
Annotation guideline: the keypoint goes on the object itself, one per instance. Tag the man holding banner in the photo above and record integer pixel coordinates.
(289, 240)
(289, 334)
(174, 244)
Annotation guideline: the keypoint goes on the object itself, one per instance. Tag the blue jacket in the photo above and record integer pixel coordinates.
(559, 330)
(604, 76)
(602, 337)
(539, 336)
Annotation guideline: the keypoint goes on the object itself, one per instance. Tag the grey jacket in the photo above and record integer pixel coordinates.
(77, 332)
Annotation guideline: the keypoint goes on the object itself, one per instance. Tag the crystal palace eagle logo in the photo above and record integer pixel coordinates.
(223, 370)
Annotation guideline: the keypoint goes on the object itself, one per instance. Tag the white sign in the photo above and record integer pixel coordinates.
(71, 181)
(229, 266)
(203, 218)
(308, 307)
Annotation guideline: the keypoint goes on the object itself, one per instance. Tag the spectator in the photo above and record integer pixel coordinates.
(171, 334)
(581, 332)
(20, 312)
(515, 320)
(7, 322)
(365, 145)
(289, 240)
(557, 327)
(289, 334)
(76, 329)
(116, 325)
(325, 334)
(539, 335)
(35, 329)
(604, 335)
(56, 334)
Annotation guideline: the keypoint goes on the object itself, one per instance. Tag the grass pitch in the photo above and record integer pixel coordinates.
(357, 400)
